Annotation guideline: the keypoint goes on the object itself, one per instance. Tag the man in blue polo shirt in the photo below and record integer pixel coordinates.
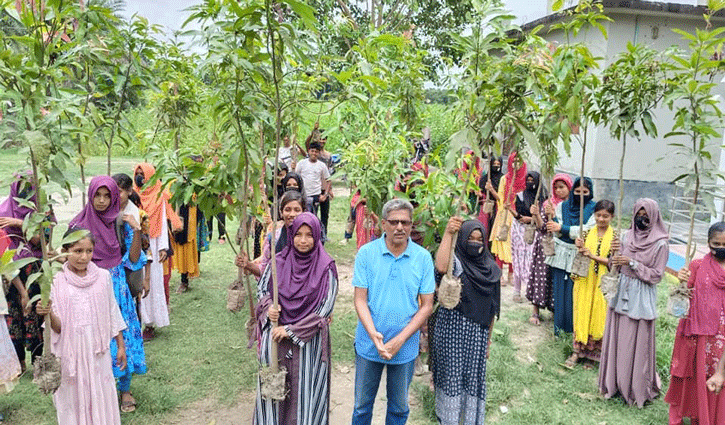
(390, 274)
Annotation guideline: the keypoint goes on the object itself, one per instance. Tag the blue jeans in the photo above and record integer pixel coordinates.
(367, 380)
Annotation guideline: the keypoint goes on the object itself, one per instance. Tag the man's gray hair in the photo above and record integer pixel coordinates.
(396, 205)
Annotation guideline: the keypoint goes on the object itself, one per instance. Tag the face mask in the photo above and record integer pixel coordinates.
(530, 186)
(139, 180)
(474, 249)
(641, 222)
(718, 253)
(495, 168)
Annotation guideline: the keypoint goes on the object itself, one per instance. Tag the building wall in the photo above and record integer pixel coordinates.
(650, 164)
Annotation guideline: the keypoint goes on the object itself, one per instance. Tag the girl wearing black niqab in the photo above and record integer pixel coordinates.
(461, 335)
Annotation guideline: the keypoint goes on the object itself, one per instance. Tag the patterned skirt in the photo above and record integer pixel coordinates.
(132, 338)
(458, 359)
(539, 289)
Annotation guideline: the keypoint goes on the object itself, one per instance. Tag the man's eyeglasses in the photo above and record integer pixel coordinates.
(395, 223)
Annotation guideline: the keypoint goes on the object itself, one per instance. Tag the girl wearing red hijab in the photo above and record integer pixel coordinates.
(512, 183)
(700, 338)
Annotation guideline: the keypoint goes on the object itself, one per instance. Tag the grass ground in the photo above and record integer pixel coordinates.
(202, 356)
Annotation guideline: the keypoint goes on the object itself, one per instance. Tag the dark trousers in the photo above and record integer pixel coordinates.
(222, 219)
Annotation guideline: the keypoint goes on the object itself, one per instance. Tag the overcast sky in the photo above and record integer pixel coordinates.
(167, 13)
(170, 13)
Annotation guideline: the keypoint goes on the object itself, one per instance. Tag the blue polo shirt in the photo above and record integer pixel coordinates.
(393, 285)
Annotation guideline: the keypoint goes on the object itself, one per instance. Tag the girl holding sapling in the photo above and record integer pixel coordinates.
(522, 252)
(590, 307)
(512, 183)
(565, 227)
(539, 288)
(307, 281)
(84, 318)
(697, 357)
(628, 364)
(100, 217)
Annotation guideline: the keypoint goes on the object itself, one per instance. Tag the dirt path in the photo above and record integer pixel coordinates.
(208, 411)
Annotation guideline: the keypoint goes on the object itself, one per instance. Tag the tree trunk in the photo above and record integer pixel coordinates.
(690, 252)
(581, 182)
(621, 184)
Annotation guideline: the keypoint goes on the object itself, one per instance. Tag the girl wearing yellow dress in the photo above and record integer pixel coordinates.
(590, 307)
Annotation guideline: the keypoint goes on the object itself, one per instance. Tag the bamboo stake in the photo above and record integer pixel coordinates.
(44, 248)
(274, 366)
(459, 208)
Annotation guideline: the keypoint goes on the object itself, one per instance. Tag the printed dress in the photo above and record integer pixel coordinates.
(132, 338)
(539, 289)
(459, 370)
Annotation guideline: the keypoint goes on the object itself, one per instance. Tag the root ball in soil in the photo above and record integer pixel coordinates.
(47, 373)
(273, 385)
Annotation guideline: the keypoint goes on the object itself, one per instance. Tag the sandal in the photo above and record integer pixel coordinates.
(535, 319)
(128, 406)
(571, 361)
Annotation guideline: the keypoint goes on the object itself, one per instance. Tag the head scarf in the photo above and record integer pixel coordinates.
(561, 177)
(641, 245)
(481, 294)
(495, 175)
(155, 200)
(303, 278)
(19, 188)
(297, 178)
(515, 180)
(463, 170)
(571, 207)
(102, 225)
(528, 196)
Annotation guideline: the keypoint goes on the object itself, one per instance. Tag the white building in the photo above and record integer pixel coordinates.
(650, 165)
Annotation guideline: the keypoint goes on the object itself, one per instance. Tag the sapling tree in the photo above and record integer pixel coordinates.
(37, 56)
(178, 97)
(131, 50)
(573, 81)
(695, 73)
(632, 86)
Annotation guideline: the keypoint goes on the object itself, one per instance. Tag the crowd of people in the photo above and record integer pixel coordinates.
(555, 247)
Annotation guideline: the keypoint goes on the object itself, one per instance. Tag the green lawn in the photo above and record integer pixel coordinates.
(203, 355)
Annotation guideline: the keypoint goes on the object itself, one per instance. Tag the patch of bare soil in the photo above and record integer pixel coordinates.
(342, 392)
(525, 336)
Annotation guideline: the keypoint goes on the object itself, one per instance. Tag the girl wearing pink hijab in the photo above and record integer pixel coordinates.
(539, 288)
(628, 364)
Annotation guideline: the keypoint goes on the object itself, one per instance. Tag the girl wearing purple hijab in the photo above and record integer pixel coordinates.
(99, 217)
(24, 324)
(628, 363)
(307, 279)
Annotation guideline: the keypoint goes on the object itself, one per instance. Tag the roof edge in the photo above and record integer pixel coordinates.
(648, 7)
